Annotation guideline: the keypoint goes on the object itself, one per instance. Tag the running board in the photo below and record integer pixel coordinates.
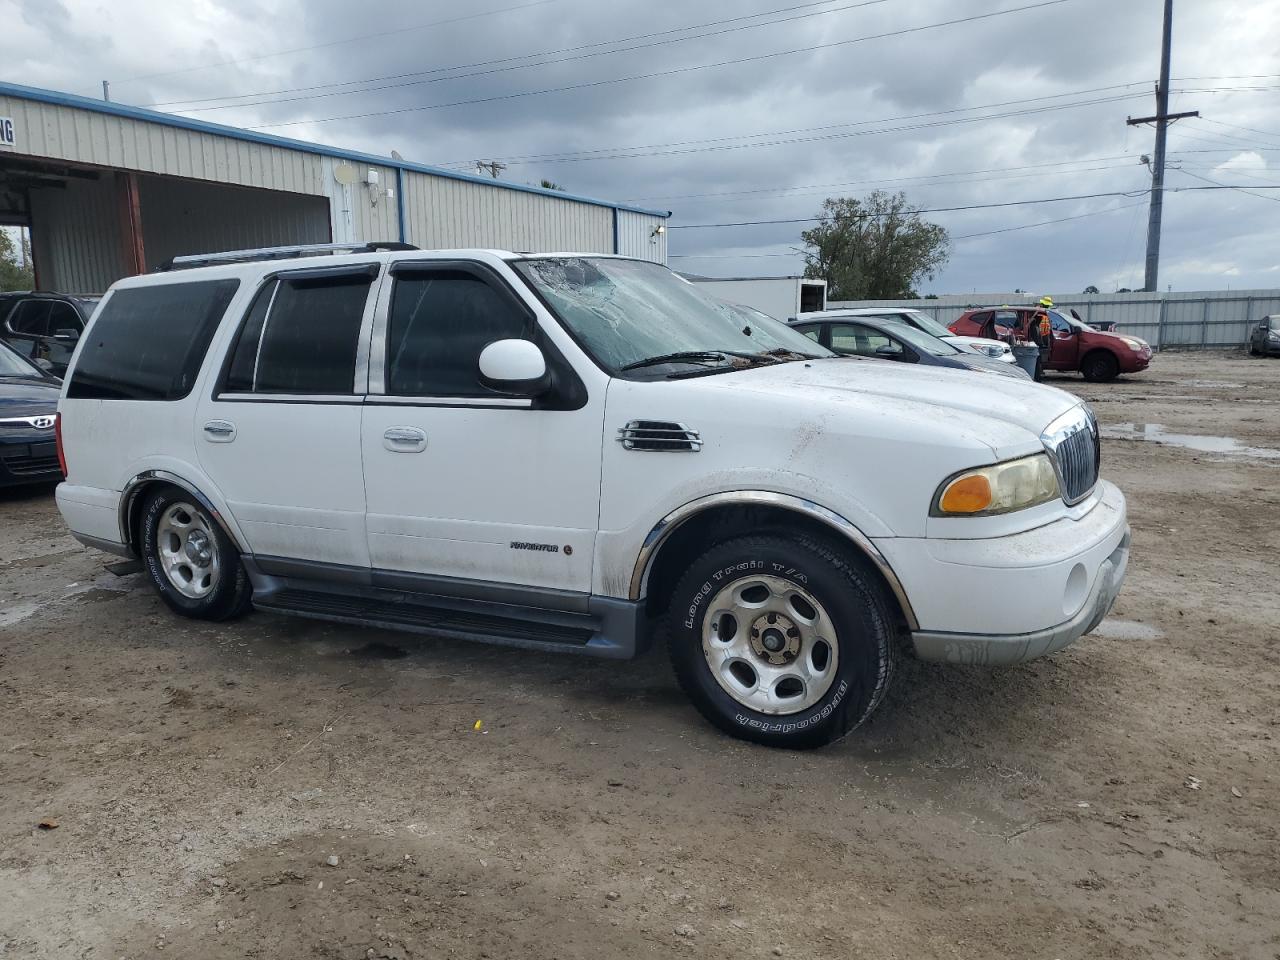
(612, 628)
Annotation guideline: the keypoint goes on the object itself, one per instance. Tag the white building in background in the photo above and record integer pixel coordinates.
(109, 190)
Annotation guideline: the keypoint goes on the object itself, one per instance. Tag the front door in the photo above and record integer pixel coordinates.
(1064, 344)
(463, 483)
(280, 435)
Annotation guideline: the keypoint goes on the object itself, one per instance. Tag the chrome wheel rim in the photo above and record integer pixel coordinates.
(187, 550)
(770, 645)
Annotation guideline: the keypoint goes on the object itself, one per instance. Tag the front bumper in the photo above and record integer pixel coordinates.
(1005, 599)
(29, 460)
(1001, 650)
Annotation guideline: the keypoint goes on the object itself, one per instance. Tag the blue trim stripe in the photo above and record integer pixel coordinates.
(75, 101)
(400, 202)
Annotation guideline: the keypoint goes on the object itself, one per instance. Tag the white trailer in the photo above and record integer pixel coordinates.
(780, 297)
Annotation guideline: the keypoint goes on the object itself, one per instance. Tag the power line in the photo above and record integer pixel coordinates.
(1234, 126)
(843, 136)
(971, 206)
(850, 183)
(965, 236)
(673, 72)
(1216, 183)
(336, 43)
(426, 78)
(588, 154)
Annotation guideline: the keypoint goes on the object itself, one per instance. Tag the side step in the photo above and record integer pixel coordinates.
(612, 629)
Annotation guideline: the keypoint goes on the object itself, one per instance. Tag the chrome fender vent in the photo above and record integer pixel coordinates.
(658, 436)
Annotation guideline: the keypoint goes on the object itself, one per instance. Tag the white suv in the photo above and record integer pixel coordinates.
(566, 451)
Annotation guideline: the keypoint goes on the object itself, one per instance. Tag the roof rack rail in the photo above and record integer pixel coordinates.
(190, 261)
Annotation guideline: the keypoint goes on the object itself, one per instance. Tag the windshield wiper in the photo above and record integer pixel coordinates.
(684, 356)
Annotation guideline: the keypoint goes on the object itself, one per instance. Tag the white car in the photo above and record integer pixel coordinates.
(996, 349)
(567, 452)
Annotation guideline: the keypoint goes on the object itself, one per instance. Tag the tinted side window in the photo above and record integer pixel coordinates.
(149, 342)
(301, 336)
(31, 317)
(63, 316)
(813, 332)
(440, 322)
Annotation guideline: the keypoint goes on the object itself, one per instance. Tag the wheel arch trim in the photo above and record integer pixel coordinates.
(133, 490)
(674, 520)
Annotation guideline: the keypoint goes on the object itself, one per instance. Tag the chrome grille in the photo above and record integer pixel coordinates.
(658, 436)
(1073, 445)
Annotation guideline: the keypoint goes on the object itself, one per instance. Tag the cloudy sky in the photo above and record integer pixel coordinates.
(748, 111)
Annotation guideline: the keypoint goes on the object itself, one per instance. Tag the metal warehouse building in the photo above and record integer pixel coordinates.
(110, 190)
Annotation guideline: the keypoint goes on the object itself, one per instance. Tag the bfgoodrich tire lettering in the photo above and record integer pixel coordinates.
(833, 594)
(218, 597)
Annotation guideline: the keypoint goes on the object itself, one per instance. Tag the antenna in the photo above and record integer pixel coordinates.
(395, 155)
(345, 174)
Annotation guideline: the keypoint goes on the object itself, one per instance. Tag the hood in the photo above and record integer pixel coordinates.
(20, 397)
(1115, 335)
(982, 342)
(1017, 401)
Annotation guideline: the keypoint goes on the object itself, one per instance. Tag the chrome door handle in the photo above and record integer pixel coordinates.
(220, 431)
(404, 440)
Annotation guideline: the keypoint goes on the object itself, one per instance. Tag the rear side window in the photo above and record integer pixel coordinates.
(301, 337)
(440, 321)
(148, 342)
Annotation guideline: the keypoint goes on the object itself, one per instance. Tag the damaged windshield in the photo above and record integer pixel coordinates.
(633, 315)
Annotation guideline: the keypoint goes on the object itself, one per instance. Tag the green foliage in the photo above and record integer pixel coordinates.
(876, 248)
(1091, 289)
(12, 274)
(549, 185)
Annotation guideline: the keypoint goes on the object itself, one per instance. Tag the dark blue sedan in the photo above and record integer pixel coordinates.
(28, 413)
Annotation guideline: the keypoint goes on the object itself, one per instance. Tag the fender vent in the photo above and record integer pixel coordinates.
(659, 436)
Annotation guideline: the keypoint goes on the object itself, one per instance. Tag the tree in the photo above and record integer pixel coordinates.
(876, 248)
(13, 275)
(1091, 289)
(546, 184)
(1124, 290)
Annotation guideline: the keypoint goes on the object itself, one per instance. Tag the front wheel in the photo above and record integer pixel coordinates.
(1100, 367)
(193, 564)
(781, 640)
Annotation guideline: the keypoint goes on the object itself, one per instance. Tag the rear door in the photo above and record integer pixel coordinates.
(280, 432)
(856, 339)
(463, 483)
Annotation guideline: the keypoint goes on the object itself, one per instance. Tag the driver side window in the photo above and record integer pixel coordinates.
(863, 341)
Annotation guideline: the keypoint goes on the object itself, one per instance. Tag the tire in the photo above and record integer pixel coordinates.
(841, 678)
(1100, 367)
(193, 564)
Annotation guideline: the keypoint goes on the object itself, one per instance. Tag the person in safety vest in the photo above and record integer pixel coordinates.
(1039, 331)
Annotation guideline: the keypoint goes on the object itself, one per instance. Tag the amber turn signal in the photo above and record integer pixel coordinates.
(967, 494)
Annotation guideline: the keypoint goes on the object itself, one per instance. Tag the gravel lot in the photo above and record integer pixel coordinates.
(1119, 799)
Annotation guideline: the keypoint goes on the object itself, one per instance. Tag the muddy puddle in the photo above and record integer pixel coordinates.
(1201, 443)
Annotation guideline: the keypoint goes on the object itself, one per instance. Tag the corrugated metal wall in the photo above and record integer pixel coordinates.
(359, 211)
(636, 238)
(76, 236)
(1205, 318)
(181, 217)
(444, 213)
(81, 136)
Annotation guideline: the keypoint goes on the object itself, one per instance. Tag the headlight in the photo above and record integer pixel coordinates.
(1133, 342)
(1000, 488)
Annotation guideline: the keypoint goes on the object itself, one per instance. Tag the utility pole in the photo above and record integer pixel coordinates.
(493, 166)
(1162, 119)
(106, 90)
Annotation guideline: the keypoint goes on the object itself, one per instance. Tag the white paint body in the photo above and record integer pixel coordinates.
(347, 482)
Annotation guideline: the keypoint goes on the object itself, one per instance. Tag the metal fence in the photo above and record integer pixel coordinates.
(1195, 320)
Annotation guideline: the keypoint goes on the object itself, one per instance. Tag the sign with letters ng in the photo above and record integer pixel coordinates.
(6, 132)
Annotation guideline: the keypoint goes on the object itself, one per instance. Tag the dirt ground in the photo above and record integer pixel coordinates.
(1117, 800)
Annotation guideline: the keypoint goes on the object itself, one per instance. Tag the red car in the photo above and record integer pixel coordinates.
(1075, 346)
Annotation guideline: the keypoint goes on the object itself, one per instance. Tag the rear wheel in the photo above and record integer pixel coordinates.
(193, 564)
(782, 641)
(1100, 366)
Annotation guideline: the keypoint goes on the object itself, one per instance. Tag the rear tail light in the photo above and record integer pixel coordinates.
(57, 433)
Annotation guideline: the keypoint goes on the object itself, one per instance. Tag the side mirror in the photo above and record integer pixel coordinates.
(890, 350)
(515, 367)
(69, 335)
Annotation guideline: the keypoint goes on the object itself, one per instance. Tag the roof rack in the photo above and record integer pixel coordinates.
(191, 261)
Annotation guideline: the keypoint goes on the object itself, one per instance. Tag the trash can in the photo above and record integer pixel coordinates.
(1028, 356)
